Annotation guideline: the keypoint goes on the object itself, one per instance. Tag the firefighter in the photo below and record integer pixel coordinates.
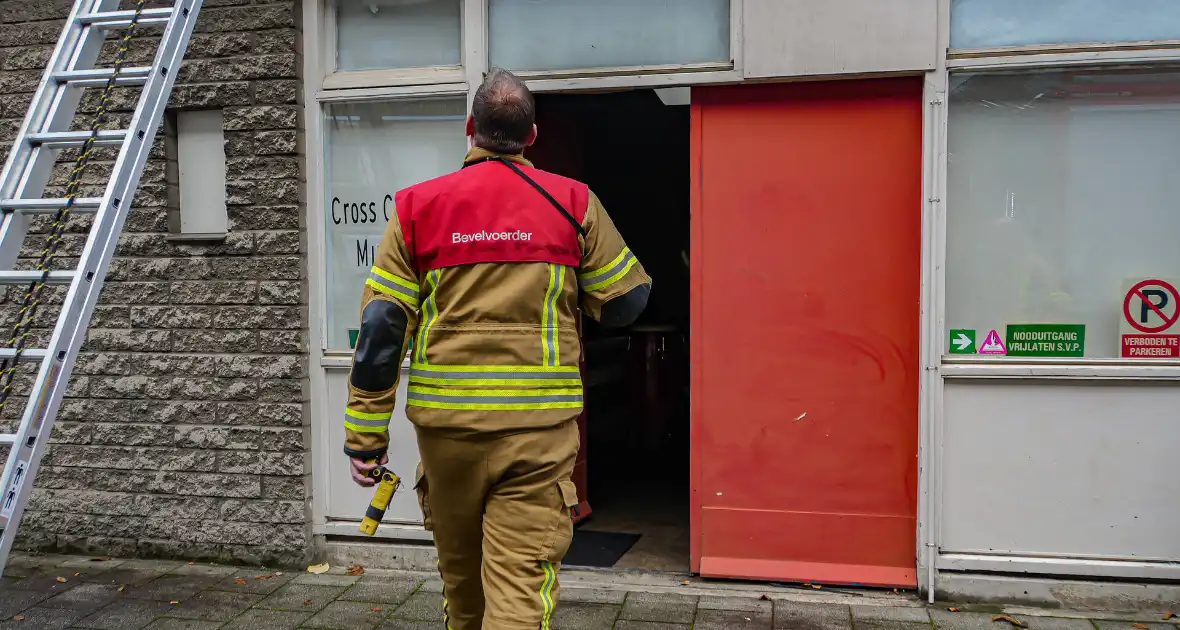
(482, 274)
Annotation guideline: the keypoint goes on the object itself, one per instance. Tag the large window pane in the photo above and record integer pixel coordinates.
(374, 150)
(1062, 189)
(572, 34)
(373, 34)
(993, 23)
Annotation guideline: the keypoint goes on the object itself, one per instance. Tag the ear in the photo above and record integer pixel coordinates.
(470, 131)
(532, 136)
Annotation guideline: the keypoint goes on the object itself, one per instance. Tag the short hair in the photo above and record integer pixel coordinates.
(504, 113)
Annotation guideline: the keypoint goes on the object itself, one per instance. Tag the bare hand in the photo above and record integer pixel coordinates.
(361, 470)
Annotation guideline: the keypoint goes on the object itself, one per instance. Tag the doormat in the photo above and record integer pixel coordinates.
(598, 549)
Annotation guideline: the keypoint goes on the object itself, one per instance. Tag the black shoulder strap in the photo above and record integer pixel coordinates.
(568, 217)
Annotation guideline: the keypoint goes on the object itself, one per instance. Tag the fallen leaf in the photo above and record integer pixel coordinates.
(239, 581)
(190, 563)
(686, 582)
(953, 609)
(121, 587)
(18, 617)
(356, 569)
(264, 576)
(895, 590)
(817, 586)
(1016, 622)
(1141, 626)
(375, 609)
(307, 602)
(318, 568)
(61, 579)
(77, 574)
(174, 602)
(1169, 615)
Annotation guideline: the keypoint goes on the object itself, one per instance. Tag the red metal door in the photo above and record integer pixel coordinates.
(806, 279)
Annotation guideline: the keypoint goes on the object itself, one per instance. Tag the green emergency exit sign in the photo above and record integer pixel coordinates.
(962, 341)
(1046, 340)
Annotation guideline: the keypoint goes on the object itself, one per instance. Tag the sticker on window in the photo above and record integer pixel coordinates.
(1046, 340)
(1148, 327)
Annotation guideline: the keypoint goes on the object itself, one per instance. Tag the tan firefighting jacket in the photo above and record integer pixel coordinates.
(493, 346)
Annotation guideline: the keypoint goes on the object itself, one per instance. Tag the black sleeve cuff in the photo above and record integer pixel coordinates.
(365, 455)
(626, 308)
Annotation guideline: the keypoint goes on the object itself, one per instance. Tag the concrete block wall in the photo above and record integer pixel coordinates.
(185, 433)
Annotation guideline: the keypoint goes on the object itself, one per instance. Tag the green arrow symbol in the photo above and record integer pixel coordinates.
(963, 341)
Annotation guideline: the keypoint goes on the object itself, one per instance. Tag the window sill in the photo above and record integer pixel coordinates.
(1068, 369)
(404, 77)
(212, 237)
(342, 359)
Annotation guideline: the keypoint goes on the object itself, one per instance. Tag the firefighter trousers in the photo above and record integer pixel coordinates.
(499, 507)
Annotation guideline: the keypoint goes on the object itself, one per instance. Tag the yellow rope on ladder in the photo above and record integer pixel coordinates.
(32, 297)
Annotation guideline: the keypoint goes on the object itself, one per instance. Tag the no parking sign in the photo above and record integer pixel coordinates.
(1151, 309)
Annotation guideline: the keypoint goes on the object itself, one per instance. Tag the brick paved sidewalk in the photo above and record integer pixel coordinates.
(77, 592)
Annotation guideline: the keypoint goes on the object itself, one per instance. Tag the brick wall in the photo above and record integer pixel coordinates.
(184, 433)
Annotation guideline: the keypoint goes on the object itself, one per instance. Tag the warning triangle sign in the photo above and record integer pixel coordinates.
(992, 344)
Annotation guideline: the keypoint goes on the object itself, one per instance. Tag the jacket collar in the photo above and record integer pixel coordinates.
(476, 154)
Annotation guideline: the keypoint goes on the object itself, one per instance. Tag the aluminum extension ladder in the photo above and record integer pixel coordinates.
(45, 132)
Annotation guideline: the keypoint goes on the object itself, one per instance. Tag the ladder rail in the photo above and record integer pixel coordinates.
(53, 108)
(74, 318)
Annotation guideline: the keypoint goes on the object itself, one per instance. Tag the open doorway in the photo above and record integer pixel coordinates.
(632, 149)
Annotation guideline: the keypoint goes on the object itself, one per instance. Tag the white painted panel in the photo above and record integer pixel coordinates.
(200, 143)
(804, 37)
(346, 500)
(1061, 469)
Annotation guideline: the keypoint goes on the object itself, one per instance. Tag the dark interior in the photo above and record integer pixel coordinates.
(633, 152)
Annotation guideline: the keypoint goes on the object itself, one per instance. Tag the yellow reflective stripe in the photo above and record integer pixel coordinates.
(613, 278)
(607, 267)
(495, 369)
(547, 594)
(386, 283)
(494, 399)
(394, 279)
(487, 382)
(429, 315)
(479, 393)
(365, 422)
(446, 613)
(474, 406)
(550, 353)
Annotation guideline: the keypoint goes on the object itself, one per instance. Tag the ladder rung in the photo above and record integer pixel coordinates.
(121, 19)
(28, 354)
(7, 438)
(65, 139)
(98, 77)
(50, 206)
(21, 277)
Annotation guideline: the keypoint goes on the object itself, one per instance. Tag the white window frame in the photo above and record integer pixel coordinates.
(474, 61)
(937, 367)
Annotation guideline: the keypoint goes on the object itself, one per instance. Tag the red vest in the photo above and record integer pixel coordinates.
(487, 213)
